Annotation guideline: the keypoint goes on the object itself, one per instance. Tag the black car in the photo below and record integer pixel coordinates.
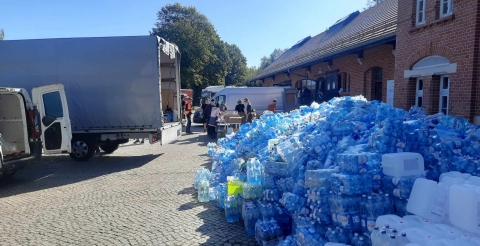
(197, 116)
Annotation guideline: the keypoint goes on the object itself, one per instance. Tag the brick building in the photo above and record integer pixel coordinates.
(437, 56)
(403, 52)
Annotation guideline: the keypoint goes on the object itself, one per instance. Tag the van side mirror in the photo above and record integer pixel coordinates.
(48, 120)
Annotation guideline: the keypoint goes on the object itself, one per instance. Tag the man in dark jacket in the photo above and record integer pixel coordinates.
(206, 114)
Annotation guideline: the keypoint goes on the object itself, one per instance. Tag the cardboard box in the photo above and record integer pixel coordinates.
(233, 119)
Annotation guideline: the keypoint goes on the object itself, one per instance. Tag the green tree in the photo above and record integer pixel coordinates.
(2, 34)
(266, 61)
(371, 3)
(251, 73)
(238, 69)
(205, 59)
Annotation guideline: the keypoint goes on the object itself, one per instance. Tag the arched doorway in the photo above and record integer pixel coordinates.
(431, 72)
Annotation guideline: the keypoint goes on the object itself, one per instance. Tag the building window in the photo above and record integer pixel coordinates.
(444, 94)
(446, 8)
(421, 4)
(419, 93)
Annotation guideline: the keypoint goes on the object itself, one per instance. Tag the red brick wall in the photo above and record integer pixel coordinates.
(379, 56)
(451, 37)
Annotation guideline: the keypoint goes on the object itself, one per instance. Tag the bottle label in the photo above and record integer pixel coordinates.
(410, 164)
(439, 204)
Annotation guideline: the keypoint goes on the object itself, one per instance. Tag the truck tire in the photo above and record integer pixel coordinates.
(109, 148)
(82, 149)
(8, 172)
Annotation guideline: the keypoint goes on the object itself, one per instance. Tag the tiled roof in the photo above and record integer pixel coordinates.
(373, 25)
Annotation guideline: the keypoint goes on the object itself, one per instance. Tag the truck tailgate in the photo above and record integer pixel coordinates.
(171, 131)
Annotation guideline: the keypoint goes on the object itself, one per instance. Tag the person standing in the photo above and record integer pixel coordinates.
(204, 119)
(240, 108)
(273, 106)
(248, 110)
(188, 115)
(212, 122)
(206, 114)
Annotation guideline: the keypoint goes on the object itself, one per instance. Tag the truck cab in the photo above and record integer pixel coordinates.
(29, 127)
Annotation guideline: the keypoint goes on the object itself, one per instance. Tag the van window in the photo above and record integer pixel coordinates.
(53, 104)
(221, 99)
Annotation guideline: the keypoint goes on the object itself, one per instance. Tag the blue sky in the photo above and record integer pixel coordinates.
(256, 26)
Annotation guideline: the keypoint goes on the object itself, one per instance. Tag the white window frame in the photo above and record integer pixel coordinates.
(450, 8)
(443, 93)
(423, 13)
(418, 92)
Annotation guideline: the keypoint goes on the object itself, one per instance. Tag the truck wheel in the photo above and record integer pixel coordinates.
(109, 148)
(82, 149)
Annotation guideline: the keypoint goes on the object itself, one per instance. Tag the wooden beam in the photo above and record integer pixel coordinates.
(168, 80)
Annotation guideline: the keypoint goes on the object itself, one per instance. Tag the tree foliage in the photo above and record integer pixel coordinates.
(266, 61)
(2, 34)
(238, 69)
(371, 3)
(206, 59)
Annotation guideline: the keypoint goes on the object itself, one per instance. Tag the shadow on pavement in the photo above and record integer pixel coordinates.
(54, 171)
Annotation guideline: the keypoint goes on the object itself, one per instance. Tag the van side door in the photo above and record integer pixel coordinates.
(52, 106)
(290, 100)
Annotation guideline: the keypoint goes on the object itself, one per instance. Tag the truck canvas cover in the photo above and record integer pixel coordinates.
(110, 83)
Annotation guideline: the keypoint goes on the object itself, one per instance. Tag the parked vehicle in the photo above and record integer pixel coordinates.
(22, 136)
(260, 97)
(116, 87)
(210, 92)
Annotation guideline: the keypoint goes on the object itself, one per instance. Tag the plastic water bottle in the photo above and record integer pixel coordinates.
(388, 205)
(403, 240)
(221, 195)
(354, 239)
(203, 191)
(231, 209)
(201, 173)
(392, 241)
(375, 236)
(250, 216)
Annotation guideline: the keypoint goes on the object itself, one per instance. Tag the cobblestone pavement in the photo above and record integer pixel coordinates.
(139, 195)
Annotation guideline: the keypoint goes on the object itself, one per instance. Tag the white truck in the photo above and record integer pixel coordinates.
(117, 88)
(21, 134)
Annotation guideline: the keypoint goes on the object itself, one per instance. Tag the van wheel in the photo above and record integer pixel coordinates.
(82, 149)
(109, 148)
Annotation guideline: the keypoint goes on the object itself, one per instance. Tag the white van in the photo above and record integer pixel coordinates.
(260, 98)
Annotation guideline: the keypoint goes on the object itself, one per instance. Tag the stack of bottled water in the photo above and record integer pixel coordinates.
(211, 149)
(267, 232)
(343, 165)
(201, 174)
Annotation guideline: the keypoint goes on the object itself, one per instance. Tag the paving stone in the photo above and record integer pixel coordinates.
(139, 195)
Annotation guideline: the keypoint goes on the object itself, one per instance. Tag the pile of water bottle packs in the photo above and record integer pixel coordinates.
(325, 174)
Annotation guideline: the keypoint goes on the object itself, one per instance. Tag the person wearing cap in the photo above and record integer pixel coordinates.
(248, 110)
(240, 108)
(273, 106)
(188, 114)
